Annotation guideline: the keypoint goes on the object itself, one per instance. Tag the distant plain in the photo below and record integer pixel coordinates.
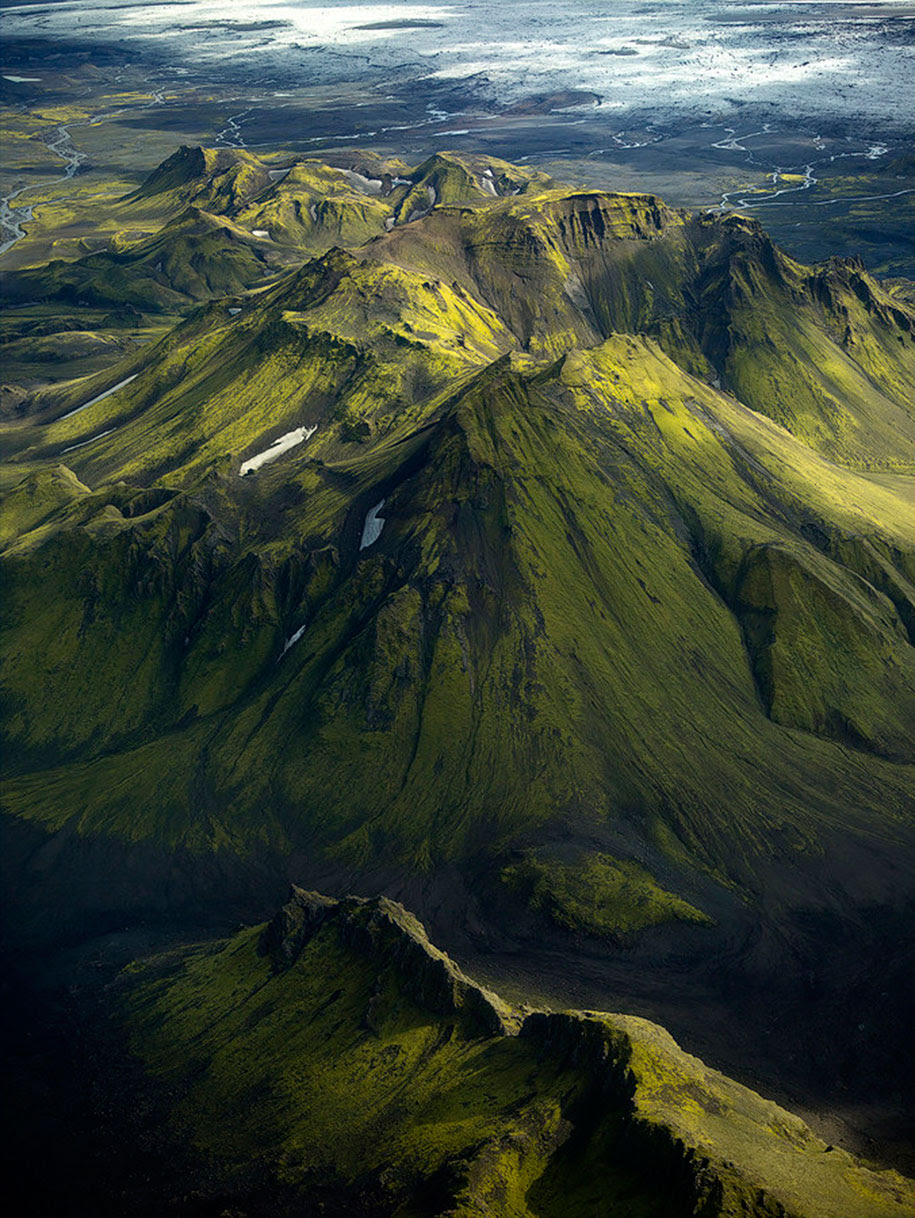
(798, 113)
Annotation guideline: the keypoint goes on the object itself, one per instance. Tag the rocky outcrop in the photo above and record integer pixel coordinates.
(385, 934)
(440, 1099)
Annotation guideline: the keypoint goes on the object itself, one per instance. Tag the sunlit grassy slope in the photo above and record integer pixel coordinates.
(348, 1059)
(194, 257)
(643, 592)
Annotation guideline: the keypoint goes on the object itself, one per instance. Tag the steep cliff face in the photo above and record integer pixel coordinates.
(363, 1070)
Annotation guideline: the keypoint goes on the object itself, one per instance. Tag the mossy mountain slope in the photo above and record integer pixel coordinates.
(826, 351)
(363, 1071)
(614, 616)
(287, 207)
(342, 342)
(196, 256)
(645, 570)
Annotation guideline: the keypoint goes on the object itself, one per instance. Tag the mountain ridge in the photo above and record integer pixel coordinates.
(411, 569)
(579, 1106)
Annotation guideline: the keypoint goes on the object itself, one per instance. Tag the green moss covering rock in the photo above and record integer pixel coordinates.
(596, 894)
(641, 590)
(339, 1055)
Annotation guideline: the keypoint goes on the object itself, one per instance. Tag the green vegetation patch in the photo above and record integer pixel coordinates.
(335, 1074)
(596, 894)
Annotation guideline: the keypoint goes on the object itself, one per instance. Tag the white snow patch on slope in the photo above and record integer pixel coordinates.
(83, 443)
(98, 398)
(371, 530)
(276, 449)
(259, 232)
(372, 186)
(293, 639)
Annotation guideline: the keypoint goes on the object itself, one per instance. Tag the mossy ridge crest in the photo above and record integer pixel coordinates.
(340, 1048)
(384, 932)
(342, 342)
(826, 351)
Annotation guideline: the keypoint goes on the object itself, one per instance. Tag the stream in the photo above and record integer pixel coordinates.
(749, 196)
(12, 218)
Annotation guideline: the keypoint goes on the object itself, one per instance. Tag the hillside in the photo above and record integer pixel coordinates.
(675, 512)
(547, 561)
(358, 1067)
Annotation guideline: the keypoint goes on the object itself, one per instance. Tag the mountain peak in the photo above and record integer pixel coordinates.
(388, 937)
(371, 1063)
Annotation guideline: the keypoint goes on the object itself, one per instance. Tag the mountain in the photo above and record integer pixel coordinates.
(363, 1072)
(194, 257)
(510, 474)
(547, 562)
(826, 352)
(283, 211)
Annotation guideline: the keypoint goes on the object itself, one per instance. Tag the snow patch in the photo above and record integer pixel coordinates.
(260, 232)
(575, 290)
(371, 186)
(371, 530)
(293, 639)
(276, 449)
(99, 398)
(83, 443)
(234, 311)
